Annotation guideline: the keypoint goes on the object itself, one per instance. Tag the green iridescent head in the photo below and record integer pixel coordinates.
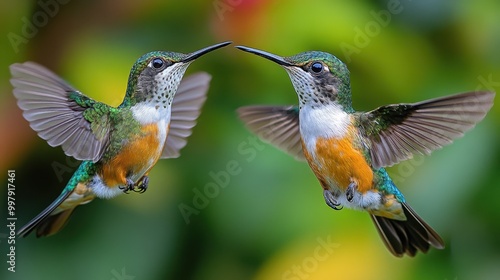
(318, 77)
(155, 76)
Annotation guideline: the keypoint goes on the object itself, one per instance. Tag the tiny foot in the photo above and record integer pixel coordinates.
(128, 187)
(331, 201)
(349, 193)
(142, 185)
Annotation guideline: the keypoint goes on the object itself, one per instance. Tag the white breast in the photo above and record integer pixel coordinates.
(147, 113)
(328, 121)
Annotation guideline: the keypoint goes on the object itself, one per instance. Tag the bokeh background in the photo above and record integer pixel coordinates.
(268, 219)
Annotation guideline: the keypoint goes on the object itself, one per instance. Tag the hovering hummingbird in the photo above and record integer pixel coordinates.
(118, 145)
(348, 150)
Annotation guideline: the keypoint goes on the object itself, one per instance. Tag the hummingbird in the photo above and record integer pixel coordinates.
(118, 146)
(348, 150)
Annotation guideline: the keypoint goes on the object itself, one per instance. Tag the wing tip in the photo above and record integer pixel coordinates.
(254, 109)
(242, 110)
(187, 107)
(200, 76)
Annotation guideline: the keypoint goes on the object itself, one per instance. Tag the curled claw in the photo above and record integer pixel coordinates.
(331, 201)
(349, 193)
(142, 186)
(128, 187)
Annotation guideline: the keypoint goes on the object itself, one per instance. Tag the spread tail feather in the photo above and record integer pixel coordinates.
(44, 222)
(53, 223)
(408, 236)
(53, 218)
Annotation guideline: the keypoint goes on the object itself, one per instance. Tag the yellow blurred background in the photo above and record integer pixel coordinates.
(269, 219)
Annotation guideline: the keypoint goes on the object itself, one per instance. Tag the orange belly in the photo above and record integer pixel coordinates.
(338, 161)
(139, 155)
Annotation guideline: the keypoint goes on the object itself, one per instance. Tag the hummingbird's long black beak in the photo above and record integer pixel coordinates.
(194, 55)
(278, 59)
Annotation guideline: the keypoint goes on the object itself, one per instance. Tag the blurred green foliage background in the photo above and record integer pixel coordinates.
(269, 220)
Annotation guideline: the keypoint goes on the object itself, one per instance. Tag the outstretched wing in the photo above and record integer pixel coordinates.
(186, 107)
(397, 132)
(59, 113)
(278, 125)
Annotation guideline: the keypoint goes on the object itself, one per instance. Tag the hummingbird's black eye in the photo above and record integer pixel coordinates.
(317, 67)
(157, 63)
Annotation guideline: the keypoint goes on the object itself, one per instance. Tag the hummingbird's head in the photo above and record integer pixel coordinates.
(156, 75)
(319, 78)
